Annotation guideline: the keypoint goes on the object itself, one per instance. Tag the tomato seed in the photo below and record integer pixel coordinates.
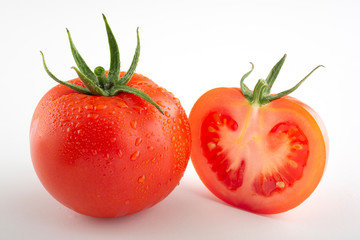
(211, 146)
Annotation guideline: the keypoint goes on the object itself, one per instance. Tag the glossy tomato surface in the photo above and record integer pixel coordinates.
(265, 159)
(109, 156)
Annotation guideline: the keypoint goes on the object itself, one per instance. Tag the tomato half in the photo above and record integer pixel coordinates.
(265, 159)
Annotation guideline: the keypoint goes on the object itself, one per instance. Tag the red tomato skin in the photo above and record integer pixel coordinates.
(231, 102)
(109, 156)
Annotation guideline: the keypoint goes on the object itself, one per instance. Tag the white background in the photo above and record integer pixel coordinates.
(188, 47)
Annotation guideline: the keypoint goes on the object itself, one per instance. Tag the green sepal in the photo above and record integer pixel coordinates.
(245, 90)
(137, 92)
(79, 60)
(67, 84)
(114, 70)
(127, 76)
(287, 92)
(274, 73)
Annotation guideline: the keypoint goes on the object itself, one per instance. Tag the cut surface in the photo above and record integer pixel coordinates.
(279, 155)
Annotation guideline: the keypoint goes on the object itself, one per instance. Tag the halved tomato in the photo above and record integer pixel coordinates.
(260, 152)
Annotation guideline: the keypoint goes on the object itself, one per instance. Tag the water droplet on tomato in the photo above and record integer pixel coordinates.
(89, 107)
(120, 153)
(127, 202)
(167, 114)
(112, 140)
(135, 155)
(150, 148)
(139, 109)
(94, 152)
(100, 107)
(92, 116)
(173, 138)
(122, 104)
(160, 103)
(133, 124)
(141, 179)
(153, 109)
(138, 141)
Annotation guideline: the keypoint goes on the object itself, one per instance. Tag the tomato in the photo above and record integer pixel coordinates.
(109, 156)
(260, 152)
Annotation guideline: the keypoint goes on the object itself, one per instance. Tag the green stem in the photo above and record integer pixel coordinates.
(101, 77)
(259, 93)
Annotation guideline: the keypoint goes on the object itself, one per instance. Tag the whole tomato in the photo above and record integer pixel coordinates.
(261, 152)
(109, 144)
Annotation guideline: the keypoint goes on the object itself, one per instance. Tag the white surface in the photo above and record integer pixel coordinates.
(188, 47)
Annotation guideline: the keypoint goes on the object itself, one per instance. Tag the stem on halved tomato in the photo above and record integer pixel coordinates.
(261, 94)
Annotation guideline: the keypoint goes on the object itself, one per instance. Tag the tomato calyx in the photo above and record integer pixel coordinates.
(261, 94)
(96, 82)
